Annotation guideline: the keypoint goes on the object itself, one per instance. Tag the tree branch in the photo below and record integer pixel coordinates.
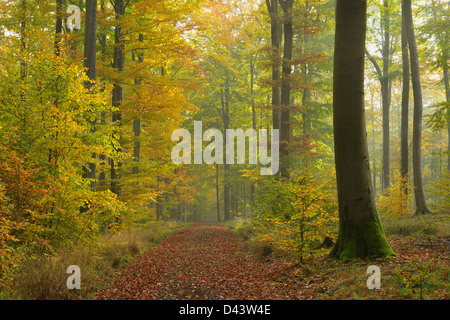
(375, 64)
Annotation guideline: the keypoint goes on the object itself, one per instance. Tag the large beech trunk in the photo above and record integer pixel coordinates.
(360, 231)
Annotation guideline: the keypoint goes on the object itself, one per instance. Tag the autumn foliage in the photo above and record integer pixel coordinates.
(87, 177)
(295, 216)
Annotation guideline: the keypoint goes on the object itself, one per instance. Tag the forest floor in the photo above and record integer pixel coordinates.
(203, 261)
(208, 261)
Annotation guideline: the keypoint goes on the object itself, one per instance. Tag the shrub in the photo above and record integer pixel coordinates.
(296, 215)
(40, 275)
(440, 193)
(417, 274)
(395, 202)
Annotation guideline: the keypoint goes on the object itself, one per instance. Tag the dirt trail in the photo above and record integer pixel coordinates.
(202, 261)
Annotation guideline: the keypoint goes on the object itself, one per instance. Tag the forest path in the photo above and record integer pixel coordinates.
(203, 261)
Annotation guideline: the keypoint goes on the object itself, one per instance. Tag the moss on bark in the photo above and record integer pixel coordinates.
(363, 240)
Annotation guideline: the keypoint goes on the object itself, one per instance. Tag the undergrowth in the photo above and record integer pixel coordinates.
(43, 276)
(419, 271)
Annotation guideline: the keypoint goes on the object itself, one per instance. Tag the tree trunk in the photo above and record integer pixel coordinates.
(226, 167)
(137, 121)
(244, 204)
(421, 207)
(306, 92)
(90, 63)
(159, 207)
(447, 94)
(23, 40)
(90, 40)
(217, 193)
(405, 105)
(58, 26)
(360, 231)
(275, 33)
(252, 80)
(386, 97)
(117, 94)
(286, 87)
(385, 83)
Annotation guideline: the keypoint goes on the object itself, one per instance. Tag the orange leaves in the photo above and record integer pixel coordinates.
(20, 203)
(203, 261)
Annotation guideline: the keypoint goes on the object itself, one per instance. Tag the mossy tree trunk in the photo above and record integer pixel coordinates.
(360, 231)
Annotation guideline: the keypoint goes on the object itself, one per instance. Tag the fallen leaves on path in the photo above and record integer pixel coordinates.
(203, 261)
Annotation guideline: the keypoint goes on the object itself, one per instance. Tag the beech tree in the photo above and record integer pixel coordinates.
(275, 36)
(360, 231)
(421, 206)
(386, 84)
(405, 104)
(90, 63)
(286, 86)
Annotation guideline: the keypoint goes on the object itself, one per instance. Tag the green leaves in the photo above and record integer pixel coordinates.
(296, 215)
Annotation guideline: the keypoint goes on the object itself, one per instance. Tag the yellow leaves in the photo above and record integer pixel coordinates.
(252, 174)
(417, 273)
(394, 202)
(440, 192)
(295, 215)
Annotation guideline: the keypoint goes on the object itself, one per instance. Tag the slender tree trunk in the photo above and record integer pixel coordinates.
(244, 204)
(306, 92)
(159, 207)
(275, 34)
(217, 193)
(90, 63)
(447, 94)
(360, 231)
(90, 40)
(103, 116)
(386, 93)
(404, 109)
(286, 87)
(385, 82)
(137, 121)
(23, 39)
(117, 94)
(226, 167)
(58, 26)
(252, 77)
(53, 152)
(421, 207)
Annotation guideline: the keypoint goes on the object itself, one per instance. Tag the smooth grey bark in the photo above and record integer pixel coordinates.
(421, 206)
(90, 63)
(102, 40)
(117, 93)
(137, 121)
(225, 102)
(404, 106)
(275, 35)
(360, 231)
(252, 79)
(90, 40)
(286, 5)
(217, 193)
(386, 97)
(447, 94)
(23, 38)
(385, 82)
